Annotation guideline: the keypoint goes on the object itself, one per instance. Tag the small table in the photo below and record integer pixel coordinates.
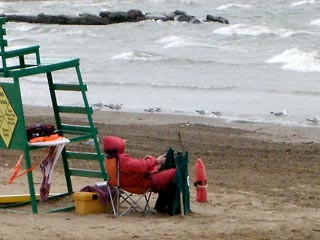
(47, 165)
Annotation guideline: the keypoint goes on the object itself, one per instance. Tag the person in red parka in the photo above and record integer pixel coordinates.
(139, 173)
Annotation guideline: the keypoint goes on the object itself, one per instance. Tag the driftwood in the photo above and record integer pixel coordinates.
(106, 17)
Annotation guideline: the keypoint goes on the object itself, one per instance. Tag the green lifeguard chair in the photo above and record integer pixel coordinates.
(23, 62)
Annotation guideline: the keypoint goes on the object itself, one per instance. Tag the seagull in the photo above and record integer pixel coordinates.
(114, 106)
(314, 120)
(97, 106)
(152, 110)
(201, 112)
(283, 113)
(89, 142)
(217, 113)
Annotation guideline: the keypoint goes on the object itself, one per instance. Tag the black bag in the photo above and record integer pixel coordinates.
(39, 130)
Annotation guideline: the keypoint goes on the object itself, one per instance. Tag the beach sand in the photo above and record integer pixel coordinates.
(263, 182)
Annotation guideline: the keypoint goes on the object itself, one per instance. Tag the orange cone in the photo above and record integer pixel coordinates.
(200, 181)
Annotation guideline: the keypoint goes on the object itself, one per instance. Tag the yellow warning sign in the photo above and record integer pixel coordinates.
(8, 118)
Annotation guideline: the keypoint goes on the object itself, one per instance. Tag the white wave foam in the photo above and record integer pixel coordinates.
(244, 29)
(181, 41)
(24, 27)
(73, 32)
(300, 3)
(315, 22)
(46, 4)
(283, 32)
(175, 41)
(233, 5)
(137, 56)
(296, 60)
(79, 32)
(27, 28)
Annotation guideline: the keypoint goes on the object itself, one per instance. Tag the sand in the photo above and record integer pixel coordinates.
(263, 182)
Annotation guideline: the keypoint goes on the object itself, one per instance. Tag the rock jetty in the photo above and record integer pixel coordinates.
(107, 17)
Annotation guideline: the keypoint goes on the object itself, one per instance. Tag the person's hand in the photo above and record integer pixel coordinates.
(161, 159)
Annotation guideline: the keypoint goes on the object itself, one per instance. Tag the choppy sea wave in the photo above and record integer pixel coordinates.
(255, 30)
(315, 22)
(307, 2)
(182, 41)
(233, 5)
(297, 60)
(137, 56)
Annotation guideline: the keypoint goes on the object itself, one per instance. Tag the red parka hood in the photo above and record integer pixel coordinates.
(113, 143)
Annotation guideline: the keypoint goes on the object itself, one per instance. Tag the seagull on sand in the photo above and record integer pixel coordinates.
(314, 120)
(283, 113)
(153, 110)
(97, 106)
(114, 106)
(217, 113)
(201, 112)
(89, 142)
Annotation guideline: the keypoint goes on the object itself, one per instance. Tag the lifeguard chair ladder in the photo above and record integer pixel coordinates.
(12, 121)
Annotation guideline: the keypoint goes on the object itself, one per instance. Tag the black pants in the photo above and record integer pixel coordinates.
(166, 197)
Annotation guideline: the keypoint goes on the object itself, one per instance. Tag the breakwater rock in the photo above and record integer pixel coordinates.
(107, 17)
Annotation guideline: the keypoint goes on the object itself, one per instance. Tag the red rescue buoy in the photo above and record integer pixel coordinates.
(200, 181)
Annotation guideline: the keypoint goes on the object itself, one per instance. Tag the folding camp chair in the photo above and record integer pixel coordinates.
(126, 198)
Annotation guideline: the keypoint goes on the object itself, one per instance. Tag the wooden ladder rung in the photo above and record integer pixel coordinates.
(82, 155)
(80, 138)
(77, 110)
(69, 87)
(85, 173)
(76, 128)
(22, 51)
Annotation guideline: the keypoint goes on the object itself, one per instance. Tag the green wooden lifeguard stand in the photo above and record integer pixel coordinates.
(12, 121)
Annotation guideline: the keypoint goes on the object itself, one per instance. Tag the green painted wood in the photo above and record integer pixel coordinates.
(96, 143)
(69, 87)
(4, 71)
(43, 68)
(22, 51)
(76, 128)
(80, 132)
(72, 109)
(11, 99)
(86, 173)
(10, 94)
(12, 124)
(3, 42)
(59, 127)
(64, 209)
(3, 31)
(82, 155)
(81, 138)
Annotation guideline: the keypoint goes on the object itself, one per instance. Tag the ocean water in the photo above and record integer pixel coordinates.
(266, 60)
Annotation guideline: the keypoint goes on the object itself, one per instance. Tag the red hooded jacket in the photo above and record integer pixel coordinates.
(138, 173)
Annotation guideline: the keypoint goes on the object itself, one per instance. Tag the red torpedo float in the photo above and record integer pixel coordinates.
(200, 181)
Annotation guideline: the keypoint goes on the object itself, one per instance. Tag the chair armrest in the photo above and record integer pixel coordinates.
(22, 51)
